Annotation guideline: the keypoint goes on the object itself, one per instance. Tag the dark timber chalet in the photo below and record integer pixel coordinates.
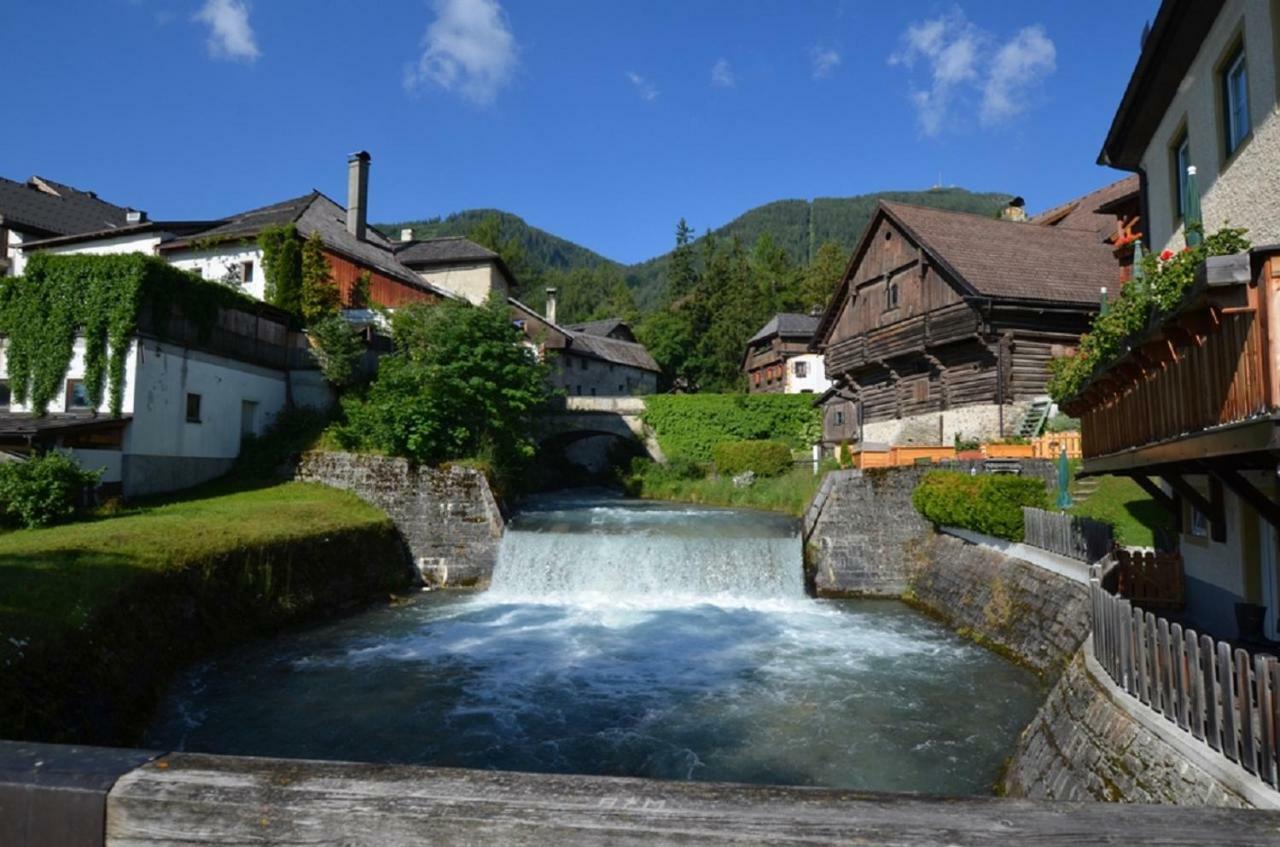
(945, 322)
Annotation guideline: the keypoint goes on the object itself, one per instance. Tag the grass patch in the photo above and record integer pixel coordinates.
(1120, 502)
(53, 580)
(789, 493)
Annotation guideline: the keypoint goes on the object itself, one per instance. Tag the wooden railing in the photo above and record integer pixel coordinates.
(1153, 580)
(1225, 698)
(1067, 535)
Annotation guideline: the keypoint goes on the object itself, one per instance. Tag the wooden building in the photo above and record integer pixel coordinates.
(778, 359)
(945, 322)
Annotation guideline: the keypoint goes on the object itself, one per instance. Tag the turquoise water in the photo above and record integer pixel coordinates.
(625, 638)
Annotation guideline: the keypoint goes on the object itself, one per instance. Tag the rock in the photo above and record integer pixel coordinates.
(745, 479)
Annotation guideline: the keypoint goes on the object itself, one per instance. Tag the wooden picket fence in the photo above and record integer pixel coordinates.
(1067, 535)
(1225, 698)
(1150, 579)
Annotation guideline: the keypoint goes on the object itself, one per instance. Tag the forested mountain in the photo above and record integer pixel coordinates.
(696, 306)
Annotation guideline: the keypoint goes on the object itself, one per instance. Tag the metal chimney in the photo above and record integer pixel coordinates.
(357, 193)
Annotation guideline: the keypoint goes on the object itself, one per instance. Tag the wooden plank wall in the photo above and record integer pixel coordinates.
(383, 290)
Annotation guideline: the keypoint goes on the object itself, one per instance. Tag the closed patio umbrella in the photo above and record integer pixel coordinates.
(1193, 224)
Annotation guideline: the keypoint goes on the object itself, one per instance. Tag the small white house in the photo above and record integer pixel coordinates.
(41, 208)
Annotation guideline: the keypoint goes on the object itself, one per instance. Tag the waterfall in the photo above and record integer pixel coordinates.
(656, 555)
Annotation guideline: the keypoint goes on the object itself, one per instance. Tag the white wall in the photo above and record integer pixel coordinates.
(1241, 190)
(582, 376)
(166, 373)
(815, 380)
(76, 371)
(135, 243)
(214, 264)
(474, 282)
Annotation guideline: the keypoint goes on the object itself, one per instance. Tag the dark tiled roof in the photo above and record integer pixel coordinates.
(438, 251)
(609, 328)
(1082, 212)
(249, 224)
(59, 210)
(1012, 260)
(630, 353)
(789, 325)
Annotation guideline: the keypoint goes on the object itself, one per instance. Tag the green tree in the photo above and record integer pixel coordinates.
(682, 275)
(339, 349)
(282, 266)
(460, 384)
(489, 233)
(360, 298)
(320, 295)
(823, 275)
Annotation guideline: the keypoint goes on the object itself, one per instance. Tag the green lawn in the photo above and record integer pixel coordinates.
(52, 580)
(789, 493)
(1120, 502)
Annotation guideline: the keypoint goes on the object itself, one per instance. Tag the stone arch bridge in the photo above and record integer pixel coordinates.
(573, 419)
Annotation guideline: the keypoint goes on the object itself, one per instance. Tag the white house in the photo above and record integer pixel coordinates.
(778, 359)
(41, 208)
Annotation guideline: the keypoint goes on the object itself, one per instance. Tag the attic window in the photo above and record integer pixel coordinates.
(890, 294)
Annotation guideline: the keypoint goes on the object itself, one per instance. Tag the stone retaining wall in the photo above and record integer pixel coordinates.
(1084, 745)
(448, 516)
(1032, 614)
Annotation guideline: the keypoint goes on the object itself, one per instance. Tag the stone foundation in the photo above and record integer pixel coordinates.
(979, 422)
(448, 516)
(1085, 744)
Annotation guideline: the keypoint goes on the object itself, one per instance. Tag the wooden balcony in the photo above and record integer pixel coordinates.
(1208, 368)
(931, 329)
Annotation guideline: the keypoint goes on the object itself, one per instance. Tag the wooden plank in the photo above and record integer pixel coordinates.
(1244, 717)
(222, 800)
(1273, 672)
(1227, 688)
(1212, 719)
(1153, 652)
(1126, 646)
(1181, 678)
(1167, 688)
(1195, 707)
(1266, 729)
(1140, 638)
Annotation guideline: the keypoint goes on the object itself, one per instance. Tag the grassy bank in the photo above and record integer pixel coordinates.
(96, 615)
(1123, 504)
(789, 493)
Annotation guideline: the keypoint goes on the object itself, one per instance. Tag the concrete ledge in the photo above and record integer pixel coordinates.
(197, 799)
(1072, 569)
(1230, 775)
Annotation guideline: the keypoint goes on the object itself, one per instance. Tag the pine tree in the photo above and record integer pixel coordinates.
(823, 275)
(282, 265)
(682, 276)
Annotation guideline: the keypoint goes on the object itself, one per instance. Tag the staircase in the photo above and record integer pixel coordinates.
(1084, 488)
(1033, 420)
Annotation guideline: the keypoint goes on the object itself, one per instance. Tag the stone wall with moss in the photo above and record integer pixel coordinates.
(447, 516)
(1084, 745)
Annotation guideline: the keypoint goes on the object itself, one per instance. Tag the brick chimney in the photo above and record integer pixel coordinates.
(551, 306)
(357, 193)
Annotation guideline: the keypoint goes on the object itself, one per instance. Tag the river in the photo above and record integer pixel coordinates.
(626, 638)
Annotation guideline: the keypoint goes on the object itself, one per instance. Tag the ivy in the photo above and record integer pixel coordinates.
(1164, 282)
(691, 425)
(99, 297)
(282, 267)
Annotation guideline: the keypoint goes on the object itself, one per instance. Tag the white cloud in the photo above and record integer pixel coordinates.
(468, 48)
(644, 88)
(1018, 66)
(968, 69)
(825, 62)
(722, 74)
(230, 35)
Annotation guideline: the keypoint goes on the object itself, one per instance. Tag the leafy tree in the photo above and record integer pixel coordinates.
(282, 265)
(339, 348)
(359, 298)
(460, 384)
(320, 295)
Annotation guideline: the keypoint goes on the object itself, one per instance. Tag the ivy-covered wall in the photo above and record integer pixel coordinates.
(100, 297)
(691, 425)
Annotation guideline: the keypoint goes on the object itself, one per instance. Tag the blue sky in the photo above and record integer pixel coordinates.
(602, 122)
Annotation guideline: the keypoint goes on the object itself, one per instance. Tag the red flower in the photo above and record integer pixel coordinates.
(1166, 255)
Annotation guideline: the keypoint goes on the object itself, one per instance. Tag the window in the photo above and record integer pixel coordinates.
(77, 395)
(756, 377)
(582, 363)
(801, 369)
(4, 393)
(1199, 523)
(1235, 100)
(248, 417)
(890, 295)
(1181, 159)
(246, 272)
(193, 408)
(839, 417)
(622, 389)
(593, 392)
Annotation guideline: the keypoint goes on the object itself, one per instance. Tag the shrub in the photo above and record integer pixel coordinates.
(986, 503)
(763, 458)
(43, 490)
(690, 425)
(339, 348)
(1062, 422)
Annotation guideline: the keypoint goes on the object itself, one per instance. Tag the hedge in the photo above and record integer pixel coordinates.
(763, 458)
(691, 425)
(986, 503)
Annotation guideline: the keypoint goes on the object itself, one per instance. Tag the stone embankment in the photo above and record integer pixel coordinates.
(447, 516)
(864, 538)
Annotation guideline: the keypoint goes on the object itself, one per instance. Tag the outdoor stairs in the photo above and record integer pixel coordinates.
(1084, 489)
(1033, 420)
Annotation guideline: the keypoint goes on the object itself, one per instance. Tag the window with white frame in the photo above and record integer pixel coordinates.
(1181, 161)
